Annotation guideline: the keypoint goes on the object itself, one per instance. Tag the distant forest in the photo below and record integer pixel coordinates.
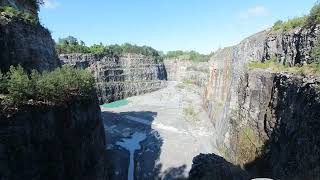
(187, 55)
(71, 44)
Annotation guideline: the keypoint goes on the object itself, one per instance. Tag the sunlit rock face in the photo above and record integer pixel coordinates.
(272, 109)
(121, 77)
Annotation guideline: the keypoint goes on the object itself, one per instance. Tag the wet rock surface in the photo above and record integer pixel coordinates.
(121, 77)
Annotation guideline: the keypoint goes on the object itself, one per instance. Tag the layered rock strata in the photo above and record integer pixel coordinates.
(121, 77)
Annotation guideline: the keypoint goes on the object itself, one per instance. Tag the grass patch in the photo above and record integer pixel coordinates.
(309, 69)
(190, 81)
(180, 86)
(249, 145)
(190, 114)
(19, 14)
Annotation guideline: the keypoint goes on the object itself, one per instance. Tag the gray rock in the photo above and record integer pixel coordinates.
(211, 166)
(58, 142)
(274, 108)
(27, 44)
(121, 77)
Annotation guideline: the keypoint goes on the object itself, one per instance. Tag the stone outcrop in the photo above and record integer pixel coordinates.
(293, 46)
(263, 120)
(211, 166)
(27, 44)
(54, 142)
(121, 77)
(65, 141)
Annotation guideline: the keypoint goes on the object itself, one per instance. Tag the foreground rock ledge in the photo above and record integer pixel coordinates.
(61, 142)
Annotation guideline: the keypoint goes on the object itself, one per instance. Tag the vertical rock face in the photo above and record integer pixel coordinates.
(180, 70)
(291, 125)
(121, 77)
(60, 142)
(263, 113)
(46, 142)
(27, 44)
(292, 47)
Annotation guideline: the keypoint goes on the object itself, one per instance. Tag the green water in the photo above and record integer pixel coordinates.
(116, 104)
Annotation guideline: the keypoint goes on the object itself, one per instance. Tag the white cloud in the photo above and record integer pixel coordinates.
(253, 12)
(51, 4)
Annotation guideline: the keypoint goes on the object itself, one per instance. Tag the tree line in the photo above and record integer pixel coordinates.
(73, 45)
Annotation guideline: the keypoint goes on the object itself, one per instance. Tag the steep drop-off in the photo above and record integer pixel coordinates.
(266, 121)
(63, 141)
(25, 43)
(121, 77)
(53, 142)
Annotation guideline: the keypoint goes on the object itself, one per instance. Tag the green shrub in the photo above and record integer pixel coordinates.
(190, 113)
(290, 24)
(311, 19)
(18, 86)
(71, 45)
(19, 14)
(54, 87)
(314, 16)
(315, 54)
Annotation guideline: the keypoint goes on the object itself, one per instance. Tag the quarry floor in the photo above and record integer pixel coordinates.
(174, 129)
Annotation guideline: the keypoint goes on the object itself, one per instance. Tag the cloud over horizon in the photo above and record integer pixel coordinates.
(254, 12)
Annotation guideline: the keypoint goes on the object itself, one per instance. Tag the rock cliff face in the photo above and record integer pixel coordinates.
(60, 142)
(52, 142)
(121, 77)
(194, 72)
(27, 44)
(266, 113)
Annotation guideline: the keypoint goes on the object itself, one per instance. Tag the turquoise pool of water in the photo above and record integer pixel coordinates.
(116, 104)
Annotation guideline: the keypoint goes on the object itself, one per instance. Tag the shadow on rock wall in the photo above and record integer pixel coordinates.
(292, 124)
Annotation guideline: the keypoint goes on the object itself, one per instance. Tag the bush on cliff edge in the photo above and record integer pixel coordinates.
(311, 19)
(17, 88)
(19, 14)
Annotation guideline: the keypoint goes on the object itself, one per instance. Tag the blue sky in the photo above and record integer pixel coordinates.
(201, 25)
